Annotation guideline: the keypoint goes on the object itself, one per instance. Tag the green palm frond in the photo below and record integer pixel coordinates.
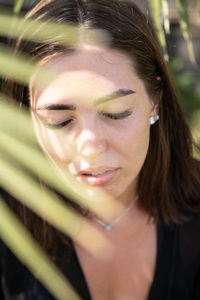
(14, 151)
(15, 129)
(22, 244)
(36, 30)
(48, 205)
(16, 122)
(160, 14)
(185, 26)
(156, 12)
(165, 12)
(18, 6)
(20, 68)
(198, 4)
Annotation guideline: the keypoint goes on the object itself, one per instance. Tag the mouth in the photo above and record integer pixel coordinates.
(98, 177)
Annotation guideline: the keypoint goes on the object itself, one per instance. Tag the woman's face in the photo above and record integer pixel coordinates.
(93, 119)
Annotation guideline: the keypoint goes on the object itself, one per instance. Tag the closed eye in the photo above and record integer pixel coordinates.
(118, 116)
(57, 126)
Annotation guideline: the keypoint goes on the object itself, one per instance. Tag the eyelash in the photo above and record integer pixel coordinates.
(118, 116)
(58, 126)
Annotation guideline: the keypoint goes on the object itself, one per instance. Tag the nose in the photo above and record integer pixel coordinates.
(91, 141)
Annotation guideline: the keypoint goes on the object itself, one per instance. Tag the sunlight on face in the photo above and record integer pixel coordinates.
(93, 119)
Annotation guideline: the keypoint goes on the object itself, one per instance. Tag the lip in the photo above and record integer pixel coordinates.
(101, 179)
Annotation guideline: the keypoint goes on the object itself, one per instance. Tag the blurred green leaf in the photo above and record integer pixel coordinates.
(18, 6)
(19, 240)
(27, 190)
(16, 151)
(185, 27)
(165, 11)
(20, 68)
(198, 3)
(187, 83)
(35, 30)
(49, 206)
(156, 12)
(16, 121)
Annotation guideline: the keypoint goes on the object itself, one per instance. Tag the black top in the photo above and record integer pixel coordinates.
(177, 272)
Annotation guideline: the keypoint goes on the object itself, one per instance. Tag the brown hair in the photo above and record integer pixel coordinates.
(169, 182)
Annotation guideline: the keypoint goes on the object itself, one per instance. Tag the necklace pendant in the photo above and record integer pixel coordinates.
(108, 227)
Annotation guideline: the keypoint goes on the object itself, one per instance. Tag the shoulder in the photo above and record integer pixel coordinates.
(188, 238)
(179, 259)
(182, 243)
(189, 231)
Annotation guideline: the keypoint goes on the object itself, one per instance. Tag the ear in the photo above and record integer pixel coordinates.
(154, 113)
(155, 108)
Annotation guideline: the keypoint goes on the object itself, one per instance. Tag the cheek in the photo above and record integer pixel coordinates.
(54, 144)
(59, 147)
(135, 146)
(133, 138)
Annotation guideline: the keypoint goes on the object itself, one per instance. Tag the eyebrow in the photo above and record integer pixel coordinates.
(117, 94)
(57, 107)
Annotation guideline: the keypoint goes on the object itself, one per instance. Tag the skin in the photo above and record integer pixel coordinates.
(93, 139)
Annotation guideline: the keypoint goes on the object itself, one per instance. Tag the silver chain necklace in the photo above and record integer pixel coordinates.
(110, 226)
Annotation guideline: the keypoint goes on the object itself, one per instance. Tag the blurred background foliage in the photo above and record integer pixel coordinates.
(178, 25)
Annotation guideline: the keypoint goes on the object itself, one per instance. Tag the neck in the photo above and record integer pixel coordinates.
(110, 225)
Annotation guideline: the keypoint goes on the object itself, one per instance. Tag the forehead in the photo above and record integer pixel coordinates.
(88, 73)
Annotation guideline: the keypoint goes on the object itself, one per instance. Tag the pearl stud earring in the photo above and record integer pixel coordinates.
(153, 119)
